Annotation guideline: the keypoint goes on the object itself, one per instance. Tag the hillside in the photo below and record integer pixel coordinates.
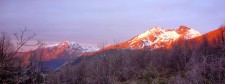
(157, 37)
(198, 60)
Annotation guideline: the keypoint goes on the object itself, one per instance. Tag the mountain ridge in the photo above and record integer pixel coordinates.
(157, 37)
(56, 55)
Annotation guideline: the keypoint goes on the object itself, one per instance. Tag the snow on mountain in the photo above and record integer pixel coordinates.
(157, 37)
(188, 33)
(56, 55)
(72, 46)
(191, 34)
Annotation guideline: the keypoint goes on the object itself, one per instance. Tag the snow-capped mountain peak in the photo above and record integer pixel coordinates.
(157, 37)
(187, 32)
(66, 42)
(71, 46)
(150, 31)
(60, 52)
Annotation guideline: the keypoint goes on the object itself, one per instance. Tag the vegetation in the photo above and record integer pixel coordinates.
(195, 61)
(13, 69)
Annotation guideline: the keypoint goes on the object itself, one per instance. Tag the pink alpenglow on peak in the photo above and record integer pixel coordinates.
(158, 37)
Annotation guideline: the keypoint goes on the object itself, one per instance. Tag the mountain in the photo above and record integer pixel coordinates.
(55, 55)
(65, 49)
(214, 38)
(190, 53)
(157, 37)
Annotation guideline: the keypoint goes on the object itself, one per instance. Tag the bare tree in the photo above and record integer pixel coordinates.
(35, 69)
(11, 70)
(102, 45)
(116, 44)
(10, 66)
(221, 35)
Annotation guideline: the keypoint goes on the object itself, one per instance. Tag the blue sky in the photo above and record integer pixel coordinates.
(95, 21)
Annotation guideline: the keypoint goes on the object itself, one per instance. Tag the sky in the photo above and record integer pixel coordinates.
(90, 22)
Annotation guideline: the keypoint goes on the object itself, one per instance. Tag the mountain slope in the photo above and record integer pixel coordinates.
(55, 55)
(203, 56)
(214, 38)
(157, 37)
(65, 49)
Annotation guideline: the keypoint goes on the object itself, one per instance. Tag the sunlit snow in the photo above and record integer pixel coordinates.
(161, 35)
